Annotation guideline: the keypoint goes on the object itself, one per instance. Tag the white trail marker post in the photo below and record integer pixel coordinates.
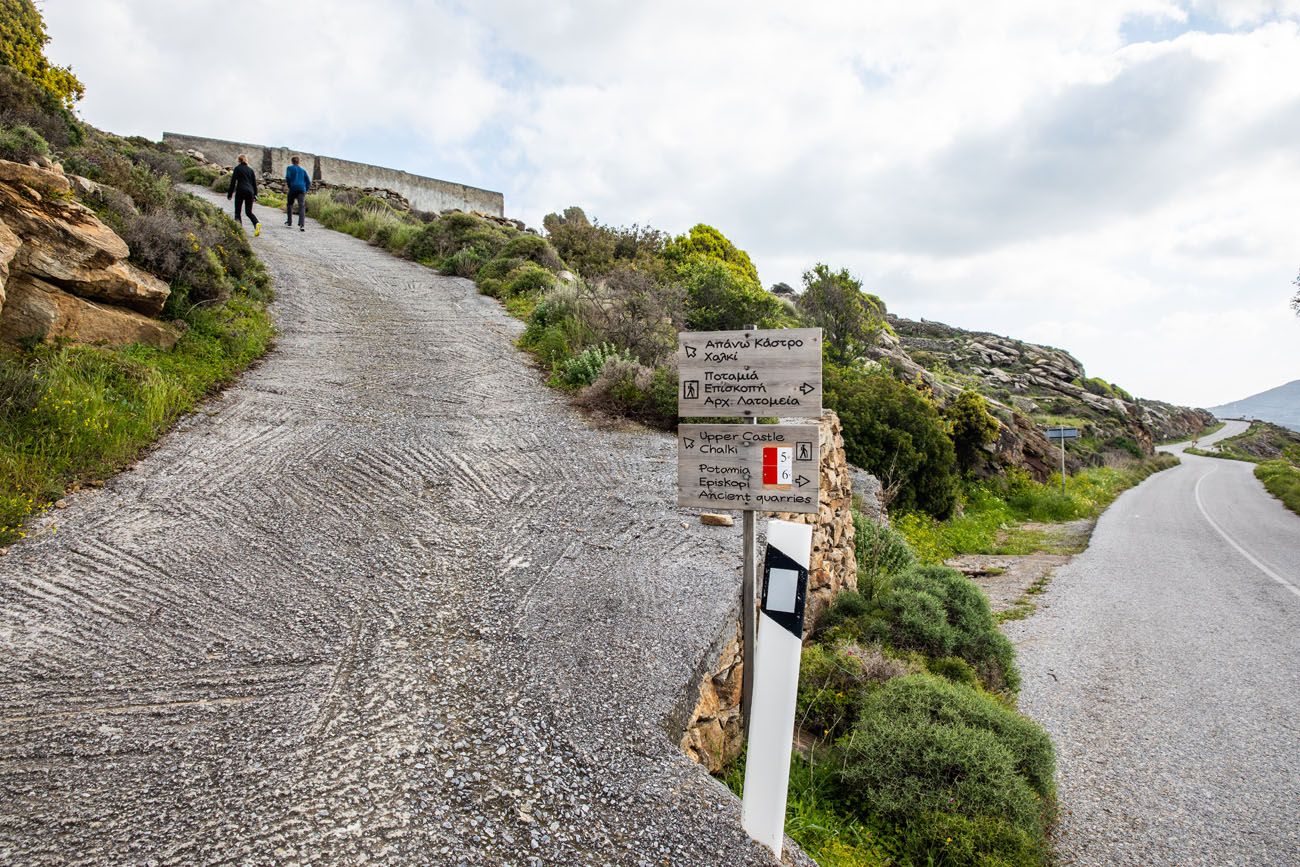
(776, 682)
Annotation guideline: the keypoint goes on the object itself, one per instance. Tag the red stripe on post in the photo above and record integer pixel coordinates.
(769, 465)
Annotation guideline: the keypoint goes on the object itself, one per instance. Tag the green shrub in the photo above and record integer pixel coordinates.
(971, 427)
(850, 319)
(928, 755)
(594, 250)
(585, 367)
(24, 103)
(20, 389)
(555, 330)
(964, 628)
(894, 431)
(634, 310)
(881, 552)
(527, 278)
(464, 262)
(629, 388)
(204, 176)
(22, 48)
(705, 243)
(221, 183)
(718, 298)
(21, 143)
(533, 248)
(831, 681)
(1282, 480)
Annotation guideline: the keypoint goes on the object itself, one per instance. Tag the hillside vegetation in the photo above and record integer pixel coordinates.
(73, 413)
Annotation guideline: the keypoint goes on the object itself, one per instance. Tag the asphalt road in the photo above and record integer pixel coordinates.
(388, 600)
(1165, 661)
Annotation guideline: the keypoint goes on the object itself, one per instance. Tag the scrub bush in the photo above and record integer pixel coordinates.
(882, 553)
(21, 143)
(953, 770)
(585, 368)
(894, 431)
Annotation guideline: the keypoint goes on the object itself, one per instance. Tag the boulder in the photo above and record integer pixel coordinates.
(9, 244)
(43, 182)
(37, 310)
(64, 243)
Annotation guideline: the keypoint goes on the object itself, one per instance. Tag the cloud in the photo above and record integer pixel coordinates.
(999, 165)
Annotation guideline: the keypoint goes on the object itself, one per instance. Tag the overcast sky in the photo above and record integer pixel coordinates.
(1118, 178)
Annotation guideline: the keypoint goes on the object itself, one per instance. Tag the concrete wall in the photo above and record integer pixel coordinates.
(218, 151)
(425, 194)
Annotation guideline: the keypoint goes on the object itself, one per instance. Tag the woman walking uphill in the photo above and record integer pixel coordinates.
(243, 187)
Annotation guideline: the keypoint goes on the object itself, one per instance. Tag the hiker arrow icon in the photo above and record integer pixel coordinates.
(687, 442)
(806, 388)
(690, 351)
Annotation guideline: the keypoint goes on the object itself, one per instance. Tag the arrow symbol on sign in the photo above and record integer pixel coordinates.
(688, 442)
(801, 481)
(805, 388)
(690, 351)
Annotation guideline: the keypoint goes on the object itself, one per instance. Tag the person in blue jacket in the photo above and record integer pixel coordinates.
(299, 183)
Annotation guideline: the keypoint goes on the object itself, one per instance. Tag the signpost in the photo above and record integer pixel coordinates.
(768, 468)
(751, 373)
(756, 468)
(1061, 433)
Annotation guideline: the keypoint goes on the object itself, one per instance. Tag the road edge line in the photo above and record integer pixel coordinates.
(1233, 542)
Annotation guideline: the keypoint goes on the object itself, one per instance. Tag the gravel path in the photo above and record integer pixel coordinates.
(389, 599)
(1164, 662)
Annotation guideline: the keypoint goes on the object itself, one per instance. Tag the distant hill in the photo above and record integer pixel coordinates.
(1279, 405)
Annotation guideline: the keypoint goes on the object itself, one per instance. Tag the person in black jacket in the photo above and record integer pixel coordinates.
(243, 187)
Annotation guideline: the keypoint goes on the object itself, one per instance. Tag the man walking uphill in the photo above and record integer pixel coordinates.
(299, 183)
(243, 186)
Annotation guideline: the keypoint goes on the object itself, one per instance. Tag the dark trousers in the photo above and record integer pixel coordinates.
(301, 197)
(244, 202)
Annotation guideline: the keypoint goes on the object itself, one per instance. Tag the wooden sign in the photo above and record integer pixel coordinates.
(765, 467)
(774, 372)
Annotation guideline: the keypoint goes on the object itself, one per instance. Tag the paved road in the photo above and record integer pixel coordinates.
(389, 599)
(1165, 661)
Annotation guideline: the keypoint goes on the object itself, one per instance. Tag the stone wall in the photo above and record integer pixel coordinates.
(426, 194)
(713, 735)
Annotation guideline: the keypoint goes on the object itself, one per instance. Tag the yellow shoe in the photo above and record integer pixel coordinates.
(257, 230)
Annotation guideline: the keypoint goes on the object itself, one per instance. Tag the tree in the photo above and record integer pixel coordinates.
(1295, 302)
(709, 243)
(971, 427)
(22, 46)
(895, 432)
(849, 318)
(719, 299)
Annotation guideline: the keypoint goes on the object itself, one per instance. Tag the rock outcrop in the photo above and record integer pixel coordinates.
(713, 735)
(64, 273)
(1027, 385)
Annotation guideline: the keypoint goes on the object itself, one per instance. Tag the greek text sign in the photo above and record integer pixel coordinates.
(776, 372)
(766, 467)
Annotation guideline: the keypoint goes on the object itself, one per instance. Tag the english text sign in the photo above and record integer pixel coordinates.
(766, 467)
(773, 372)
